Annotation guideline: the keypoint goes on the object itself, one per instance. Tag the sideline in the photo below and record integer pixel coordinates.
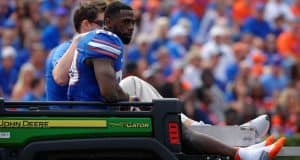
(289, 152)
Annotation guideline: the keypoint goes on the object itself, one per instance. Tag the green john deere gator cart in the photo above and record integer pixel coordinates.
(30, 131)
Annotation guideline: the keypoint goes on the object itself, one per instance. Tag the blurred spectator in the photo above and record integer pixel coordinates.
(276, 80)
(49, 5)
(25, 78)
(286, 119)
(181, 87)
(154, 76)
(173, 89)
(240, 50)
(289, 100)
(37, 59)
(178, 37)
(193, 69)
(23, 56)
(275, 8)
(8, 73)
(131, 69)
(241, 99)
(238, 96)
(270, 48)
(199, 7)
(217, 105)
(37, 91)
(241, 10)
(246, 38)
(141, 50)
(5, 11)
(32, 11)
(54, 33)
(257, 100)
(288, 41)
(9, 35)
(256, 24)
(149, 17)
(202, 110)
(184, 10)
(279, 25)
(217, 47)
(213, 16)
(296, 8)
(185, 23)
(231, 117)
(256, 55)
(143, 66)
(257, 68)
(159, 36)
(163, 59)
(295, 74)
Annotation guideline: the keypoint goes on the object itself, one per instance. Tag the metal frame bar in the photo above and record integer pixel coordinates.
(289, 152)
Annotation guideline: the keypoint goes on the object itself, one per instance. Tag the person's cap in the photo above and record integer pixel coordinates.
(142, 38)
(8, 52)
(210, 52)
(218, 31)
(185, 23)
(61, 11)
(177, 30)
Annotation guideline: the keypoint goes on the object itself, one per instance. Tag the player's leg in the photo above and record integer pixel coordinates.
(268, 141)
(261, 124)
(135, 86)
(202, 143)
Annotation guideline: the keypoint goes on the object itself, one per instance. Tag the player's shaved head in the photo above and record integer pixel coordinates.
(114, 9)
(119, 19)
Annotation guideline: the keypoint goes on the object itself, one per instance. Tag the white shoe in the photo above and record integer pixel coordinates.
(261, 124)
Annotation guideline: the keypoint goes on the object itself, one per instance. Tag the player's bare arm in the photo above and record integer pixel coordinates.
(61, 69)
(106, 79)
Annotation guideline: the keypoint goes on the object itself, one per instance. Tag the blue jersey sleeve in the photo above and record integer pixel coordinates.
(104, 45)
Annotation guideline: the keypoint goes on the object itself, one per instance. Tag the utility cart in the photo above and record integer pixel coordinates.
(31, 131)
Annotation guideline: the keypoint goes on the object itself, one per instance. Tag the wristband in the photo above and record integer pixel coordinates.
(133, 99)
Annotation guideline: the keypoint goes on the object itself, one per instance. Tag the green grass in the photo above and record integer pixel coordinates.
(292, 141)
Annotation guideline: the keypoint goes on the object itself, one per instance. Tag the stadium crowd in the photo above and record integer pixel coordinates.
(228, 60)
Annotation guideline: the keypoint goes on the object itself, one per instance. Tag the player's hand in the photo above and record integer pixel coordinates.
(78, 36)
(134, 99)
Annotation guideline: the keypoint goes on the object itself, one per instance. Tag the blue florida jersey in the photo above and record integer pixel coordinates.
(83, 85)
(55, 92)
